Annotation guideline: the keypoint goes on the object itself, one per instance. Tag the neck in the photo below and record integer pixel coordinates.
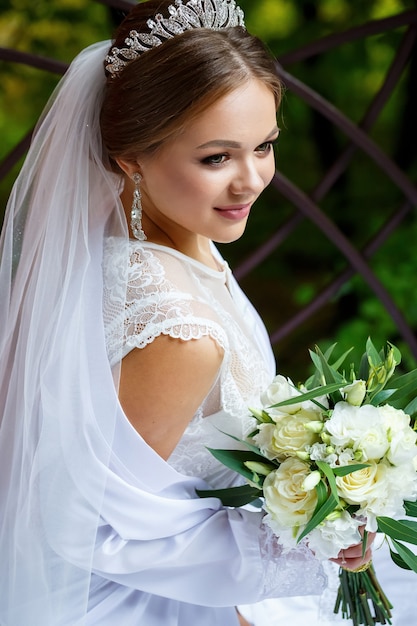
(192, 245)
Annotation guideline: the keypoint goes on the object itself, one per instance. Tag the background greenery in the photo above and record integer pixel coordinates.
(349, 76)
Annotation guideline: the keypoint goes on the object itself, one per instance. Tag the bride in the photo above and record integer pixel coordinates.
(126, 345)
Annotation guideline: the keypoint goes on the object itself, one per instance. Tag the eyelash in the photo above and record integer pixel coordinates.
(264, 148)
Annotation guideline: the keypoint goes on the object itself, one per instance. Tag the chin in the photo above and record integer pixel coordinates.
(224, 240)
(230, 237)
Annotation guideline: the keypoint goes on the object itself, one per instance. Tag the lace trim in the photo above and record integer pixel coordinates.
(178, 329)
(293, 573)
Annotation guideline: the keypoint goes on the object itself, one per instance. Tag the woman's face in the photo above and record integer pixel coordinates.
(201, 185)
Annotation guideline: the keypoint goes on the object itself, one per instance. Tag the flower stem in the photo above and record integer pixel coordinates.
(361, 599)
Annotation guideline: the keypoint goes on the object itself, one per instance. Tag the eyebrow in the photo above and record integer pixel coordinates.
(228, 143)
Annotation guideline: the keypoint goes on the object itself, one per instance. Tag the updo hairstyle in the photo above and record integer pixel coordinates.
(154, 96)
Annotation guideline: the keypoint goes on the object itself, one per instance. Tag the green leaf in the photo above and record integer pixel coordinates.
(406, 554)
(322, 495)
(382, 396)
(374, 356)
(363, 372)
(410, 508)
(330, 374)
(404, 379)
(406, 392)
(235, 459)
(318, 376)
(348, 469)
(400, 389)
(411, 407)
(398, 560)
(233, 496)
(329, 351)
(244, 442)
(261, 416)
(321, 490)
(317, 362)
(325, 510)
(329, 473)
(397, 529)
(337, 364)
(310, 395)
(364, 542)
(410, 524)
(395, 353)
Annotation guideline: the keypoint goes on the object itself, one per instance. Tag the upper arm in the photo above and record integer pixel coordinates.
(163, 385)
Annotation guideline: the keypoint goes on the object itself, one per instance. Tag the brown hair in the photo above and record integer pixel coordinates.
(155, 95)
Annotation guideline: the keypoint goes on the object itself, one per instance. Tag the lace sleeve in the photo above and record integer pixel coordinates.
(160, 299)
(293, 573)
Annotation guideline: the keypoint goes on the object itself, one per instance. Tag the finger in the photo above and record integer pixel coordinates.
(357, 549)
(352, 563)
(354, 551)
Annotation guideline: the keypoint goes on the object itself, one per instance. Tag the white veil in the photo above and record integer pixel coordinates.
(52, 352)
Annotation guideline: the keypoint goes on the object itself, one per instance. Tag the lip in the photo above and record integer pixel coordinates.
(235, 211)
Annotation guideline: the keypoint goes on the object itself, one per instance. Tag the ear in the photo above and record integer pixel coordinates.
(128, 167)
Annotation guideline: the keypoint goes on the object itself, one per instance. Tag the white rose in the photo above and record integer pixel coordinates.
(401, 436)
(394, 420)
(363, 485)
(358, 427)
(279, 390)
(374, 444)
(399, 484)
(264, 439)
(287, 436)
(406, 476)
(285, 499)
(403, 447)
(333, 535)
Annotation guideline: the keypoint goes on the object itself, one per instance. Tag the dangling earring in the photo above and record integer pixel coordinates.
(136, 212)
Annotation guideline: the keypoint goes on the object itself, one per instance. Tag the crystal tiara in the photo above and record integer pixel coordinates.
(213, 14)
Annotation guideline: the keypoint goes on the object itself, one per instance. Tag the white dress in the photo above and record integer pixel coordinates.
(198, 576)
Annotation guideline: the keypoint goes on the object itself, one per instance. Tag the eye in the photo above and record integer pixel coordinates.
(215, 159)
(265, 147)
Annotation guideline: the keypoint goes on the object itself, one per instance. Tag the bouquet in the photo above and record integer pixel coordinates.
(331, 455)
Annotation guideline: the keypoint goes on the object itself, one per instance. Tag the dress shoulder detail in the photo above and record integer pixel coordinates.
(162, 297)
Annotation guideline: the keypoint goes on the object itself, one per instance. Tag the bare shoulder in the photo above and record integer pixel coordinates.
(163, 384)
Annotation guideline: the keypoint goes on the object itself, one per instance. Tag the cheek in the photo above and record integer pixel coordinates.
(270, 169)
(183, 183)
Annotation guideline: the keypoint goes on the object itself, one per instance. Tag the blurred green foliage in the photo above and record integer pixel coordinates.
(349, 76)
(52, 28)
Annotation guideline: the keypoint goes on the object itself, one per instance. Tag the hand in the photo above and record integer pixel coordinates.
(351, 558)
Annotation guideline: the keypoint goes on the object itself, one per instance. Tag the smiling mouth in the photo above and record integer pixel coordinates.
(235, 207)
(235, 212)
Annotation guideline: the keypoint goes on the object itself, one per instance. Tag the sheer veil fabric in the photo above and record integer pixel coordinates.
(57, 421)
(80, 491)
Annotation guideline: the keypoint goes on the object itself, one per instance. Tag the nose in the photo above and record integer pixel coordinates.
(249, 178)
